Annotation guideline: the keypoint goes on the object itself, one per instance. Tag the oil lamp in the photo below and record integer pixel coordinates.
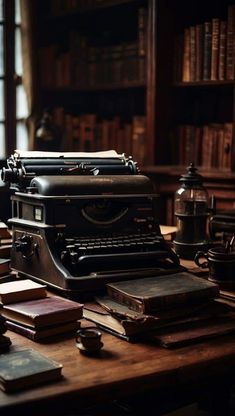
(191, 211)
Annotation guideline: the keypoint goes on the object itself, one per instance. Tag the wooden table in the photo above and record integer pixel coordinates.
(121, 369)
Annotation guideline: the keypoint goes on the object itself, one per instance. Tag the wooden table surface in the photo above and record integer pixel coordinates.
(121, 368)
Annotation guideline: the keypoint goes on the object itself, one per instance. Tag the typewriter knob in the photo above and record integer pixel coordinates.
(24, 245)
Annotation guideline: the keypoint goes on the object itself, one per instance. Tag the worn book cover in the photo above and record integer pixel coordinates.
(43, 312)
(192, 332)
(25, 368)
(152, 294)
(21, 290)
(37, 334)
(4, 266)
(118, 324)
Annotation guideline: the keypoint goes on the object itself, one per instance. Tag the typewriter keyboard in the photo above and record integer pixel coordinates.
(95, 251)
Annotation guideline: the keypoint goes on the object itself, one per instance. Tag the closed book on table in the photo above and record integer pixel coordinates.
(4, 266)
(43, 312)
(25, 368)
(152, 294)
(21, 290)
(37, 334)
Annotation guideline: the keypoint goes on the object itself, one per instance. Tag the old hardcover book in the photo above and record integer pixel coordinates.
(207, 51)
(230, 42)
(222, 49)
(192, 332)
(21, 290)
(26, 368)
(4, 231)
(215, 48)
(43, 312)
(119, 324)
(153, 294)
(4, 266)
(37, 334)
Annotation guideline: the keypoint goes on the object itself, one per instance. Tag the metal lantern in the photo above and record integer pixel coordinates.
(191, 211)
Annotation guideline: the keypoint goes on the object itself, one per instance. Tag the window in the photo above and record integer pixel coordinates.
(13, 103)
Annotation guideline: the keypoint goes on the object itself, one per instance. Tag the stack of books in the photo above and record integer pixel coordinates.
(5, 341)
(163, 308)
(5, 241)
(30, 311)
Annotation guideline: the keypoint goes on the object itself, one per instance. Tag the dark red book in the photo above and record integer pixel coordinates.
(43, 312)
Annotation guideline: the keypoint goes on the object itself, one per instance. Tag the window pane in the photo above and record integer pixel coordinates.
(2, 141)
(21, 102)
(17, 12)
(1, 51)
(18, 52)
(1, 10)
(21, 136)
(1, 100)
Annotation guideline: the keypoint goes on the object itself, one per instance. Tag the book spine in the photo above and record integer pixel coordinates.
(230, 43)
(199, 52)
(186, 57)
(192, 56)
(215, 49)
(207, 51)
(133, 304)
(222, 50)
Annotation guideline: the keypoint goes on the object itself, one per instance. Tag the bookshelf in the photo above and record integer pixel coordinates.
(127, 75)
(99, 89)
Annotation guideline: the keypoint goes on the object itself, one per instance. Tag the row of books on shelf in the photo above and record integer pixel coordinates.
(87, 133)
(205, 52)
(208, 146)
(82, 64)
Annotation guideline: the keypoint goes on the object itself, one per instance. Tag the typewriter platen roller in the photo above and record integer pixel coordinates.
(78, 232)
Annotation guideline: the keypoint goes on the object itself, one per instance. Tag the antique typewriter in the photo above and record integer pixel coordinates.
(81, 220)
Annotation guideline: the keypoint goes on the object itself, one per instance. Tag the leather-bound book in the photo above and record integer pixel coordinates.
(215, 49)
(37, 334)
(26, 368)
(152, 294)
(21, 290)
(43, 312)
(207, 51)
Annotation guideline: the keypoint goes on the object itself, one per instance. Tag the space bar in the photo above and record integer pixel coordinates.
(100, 261)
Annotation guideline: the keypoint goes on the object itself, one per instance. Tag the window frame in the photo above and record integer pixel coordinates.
(9, 75)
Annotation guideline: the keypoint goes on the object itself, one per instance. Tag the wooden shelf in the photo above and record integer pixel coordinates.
(102, 87)
(204, 84)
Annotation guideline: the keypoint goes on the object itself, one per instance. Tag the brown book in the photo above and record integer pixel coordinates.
(222, 50)
(215, 49)
(192, 332)
(199, 52)
(152, 294)
(227, 146)
(4, 231)
(186, 57)
(43, 312)
(121, 325)
(207, 51)
(21, 290)
(4, 266)
(230, 42)
(192, 55)
(26, 368)
(37, 334)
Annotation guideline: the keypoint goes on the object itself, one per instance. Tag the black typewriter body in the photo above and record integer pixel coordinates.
(78, 232)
